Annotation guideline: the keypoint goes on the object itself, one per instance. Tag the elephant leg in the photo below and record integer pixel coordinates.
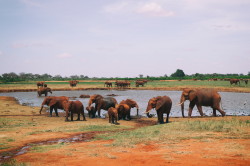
(83, 116)
(78, 116)
(191, 106)
(221, 111)
(167, 117)
(200, 109)
(66, 117)
(51, 110)
(214, 112)
(56, 112)
(128, 116)
(71, 114)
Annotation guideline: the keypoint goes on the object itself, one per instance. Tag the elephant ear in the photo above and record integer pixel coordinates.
(192, 95)
(52, 102)
(159, 103)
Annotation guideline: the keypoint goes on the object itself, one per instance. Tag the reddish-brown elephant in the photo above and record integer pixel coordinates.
(113, 115)
(44, 91)
(123, 111)
(101, 103)
(73, 107)
(54, 102)
(201, 97)
(132, 104)
(162, 104)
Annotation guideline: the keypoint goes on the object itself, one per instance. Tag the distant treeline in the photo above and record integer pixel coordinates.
(178, 75)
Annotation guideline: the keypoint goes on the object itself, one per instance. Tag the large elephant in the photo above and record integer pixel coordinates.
(113, 115)
(201, 97)
(101, 103)
(162, 104)
(131, 103)
(54, 102)
(123, 111)
(44, 91)
(73, 107)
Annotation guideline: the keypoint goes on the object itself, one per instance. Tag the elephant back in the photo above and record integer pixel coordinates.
(109, 102)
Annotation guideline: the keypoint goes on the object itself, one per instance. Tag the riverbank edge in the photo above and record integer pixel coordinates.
(220, 89)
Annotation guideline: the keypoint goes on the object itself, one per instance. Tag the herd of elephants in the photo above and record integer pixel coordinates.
(118, 111)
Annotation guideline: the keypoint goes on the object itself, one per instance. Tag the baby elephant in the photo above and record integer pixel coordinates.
(91, 111)
(113, 115)
(73, 107)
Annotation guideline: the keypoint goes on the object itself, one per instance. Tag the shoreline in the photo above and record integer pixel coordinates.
(220, 89)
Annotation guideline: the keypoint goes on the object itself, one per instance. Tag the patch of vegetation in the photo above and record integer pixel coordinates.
(46, 148)
(12, 162)
(91, 128)
(3, 146)
(178, 131)
(8, 123)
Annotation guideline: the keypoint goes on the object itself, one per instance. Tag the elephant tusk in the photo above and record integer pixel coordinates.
(181, 103)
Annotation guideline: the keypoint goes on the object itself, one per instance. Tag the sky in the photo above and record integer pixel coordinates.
(124, 38)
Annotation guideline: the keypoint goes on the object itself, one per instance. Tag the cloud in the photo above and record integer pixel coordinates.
(64, 55)
(149, 9)
(154, 9)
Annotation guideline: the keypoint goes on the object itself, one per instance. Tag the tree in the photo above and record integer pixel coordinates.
(178, 73)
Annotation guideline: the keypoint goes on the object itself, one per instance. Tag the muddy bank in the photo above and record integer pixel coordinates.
(220, 89)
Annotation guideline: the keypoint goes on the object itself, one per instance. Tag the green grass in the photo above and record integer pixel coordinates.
(7, 124)
(12, 162)
(193, 83)
(177, 131)
(46, 148)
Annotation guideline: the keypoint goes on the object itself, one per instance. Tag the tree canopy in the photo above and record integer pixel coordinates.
(178, 73)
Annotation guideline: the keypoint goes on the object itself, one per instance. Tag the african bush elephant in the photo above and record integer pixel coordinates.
(234, 81)
(162, 104)
(40, 84)
(54, 102)
(44, 91)
(201, 97)
(123, 111)
(73, 83)
(131, 103)
(101, 103)
(113, 115)
(73, 107)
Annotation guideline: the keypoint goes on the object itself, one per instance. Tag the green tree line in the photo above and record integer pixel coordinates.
(178, 75)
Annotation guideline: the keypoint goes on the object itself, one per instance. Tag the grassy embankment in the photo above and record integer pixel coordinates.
(157, 85)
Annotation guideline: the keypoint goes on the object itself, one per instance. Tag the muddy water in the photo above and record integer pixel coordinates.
(232, 103)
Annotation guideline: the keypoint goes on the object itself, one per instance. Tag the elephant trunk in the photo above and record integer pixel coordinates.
(148, 110)
(137, 109)
(90, 103)
(41, 109)
(182, 105)
(149, 115)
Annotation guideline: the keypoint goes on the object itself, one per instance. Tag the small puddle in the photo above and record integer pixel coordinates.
(84, 137)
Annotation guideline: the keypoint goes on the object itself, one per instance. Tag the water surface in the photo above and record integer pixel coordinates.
(232, 103)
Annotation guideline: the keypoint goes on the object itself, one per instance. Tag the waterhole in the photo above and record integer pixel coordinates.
(232, 103)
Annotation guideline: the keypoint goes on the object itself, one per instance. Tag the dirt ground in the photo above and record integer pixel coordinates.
(211, 151)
